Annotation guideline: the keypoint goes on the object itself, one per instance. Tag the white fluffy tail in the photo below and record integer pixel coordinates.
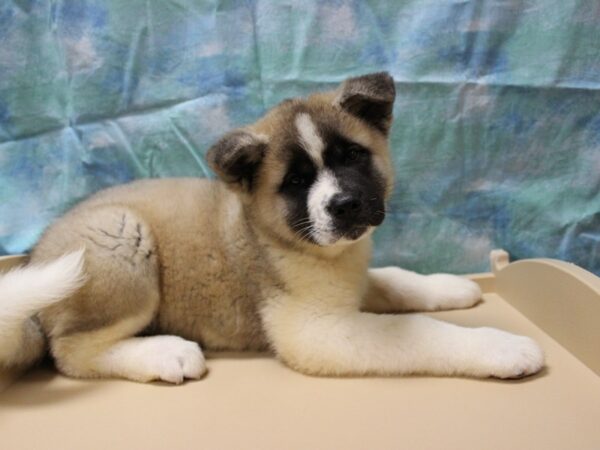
(27, 290)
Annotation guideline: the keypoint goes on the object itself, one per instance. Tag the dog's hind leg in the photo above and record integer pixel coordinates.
(392, 289)
(93, 333)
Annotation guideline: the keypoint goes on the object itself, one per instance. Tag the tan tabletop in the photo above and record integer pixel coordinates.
(253, 402)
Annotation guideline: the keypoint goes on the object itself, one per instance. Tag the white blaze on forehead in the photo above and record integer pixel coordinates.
(310, 139)
(319, 196)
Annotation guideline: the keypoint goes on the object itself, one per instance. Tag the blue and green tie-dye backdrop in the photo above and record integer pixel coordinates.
(496, 140)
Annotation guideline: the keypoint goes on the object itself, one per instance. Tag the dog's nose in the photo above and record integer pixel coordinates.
(343, 206)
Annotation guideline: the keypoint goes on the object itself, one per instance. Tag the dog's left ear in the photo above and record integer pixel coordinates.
(370, 98)
(236, 157)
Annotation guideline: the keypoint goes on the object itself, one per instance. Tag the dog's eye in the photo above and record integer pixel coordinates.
(296, 180)
(354, 153)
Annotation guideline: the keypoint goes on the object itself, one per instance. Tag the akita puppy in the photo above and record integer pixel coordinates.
(134, 281)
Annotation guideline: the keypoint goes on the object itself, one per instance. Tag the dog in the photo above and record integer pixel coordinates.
(136, 280)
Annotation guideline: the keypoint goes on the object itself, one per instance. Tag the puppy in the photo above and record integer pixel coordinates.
(132, 282)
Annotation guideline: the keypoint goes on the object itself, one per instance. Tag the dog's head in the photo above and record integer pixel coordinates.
(315, 171)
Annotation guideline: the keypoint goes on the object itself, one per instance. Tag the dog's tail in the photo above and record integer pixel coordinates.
(24, 292)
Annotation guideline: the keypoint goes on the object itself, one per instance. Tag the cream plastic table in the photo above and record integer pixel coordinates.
(251, 401)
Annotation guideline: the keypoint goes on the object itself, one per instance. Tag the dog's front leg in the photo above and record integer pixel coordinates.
(392, 289)
(313, 338)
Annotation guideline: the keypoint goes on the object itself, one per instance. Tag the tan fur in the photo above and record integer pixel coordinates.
(200, 280)
(213, 263)
(195, 258)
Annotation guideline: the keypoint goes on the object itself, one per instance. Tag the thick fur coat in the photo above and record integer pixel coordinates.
(136, 280)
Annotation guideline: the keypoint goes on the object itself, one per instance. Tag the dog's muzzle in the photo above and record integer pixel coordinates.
(352, 216)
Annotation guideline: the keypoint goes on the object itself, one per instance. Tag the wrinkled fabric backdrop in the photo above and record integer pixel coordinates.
(496, 138)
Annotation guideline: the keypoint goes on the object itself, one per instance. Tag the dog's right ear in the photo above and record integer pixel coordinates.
(236, 157)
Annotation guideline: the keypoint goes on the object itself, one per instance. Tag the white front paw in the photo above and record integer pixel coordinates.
(451, 291)
(503, 355)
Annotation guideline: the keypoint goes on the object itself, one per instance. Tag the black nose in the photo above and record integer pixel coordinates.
(343, 206)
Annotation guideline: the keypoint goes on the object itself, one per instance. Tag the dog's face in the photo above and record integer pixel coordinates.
(315, 171)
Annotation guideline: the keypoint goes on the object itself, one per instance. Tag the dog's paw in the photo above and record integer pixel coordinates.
(504, 355)
(169, 358)
(452, 292)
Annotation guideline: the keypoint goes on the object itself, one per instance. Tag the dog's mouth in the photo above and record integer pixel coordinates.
(355, 232)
